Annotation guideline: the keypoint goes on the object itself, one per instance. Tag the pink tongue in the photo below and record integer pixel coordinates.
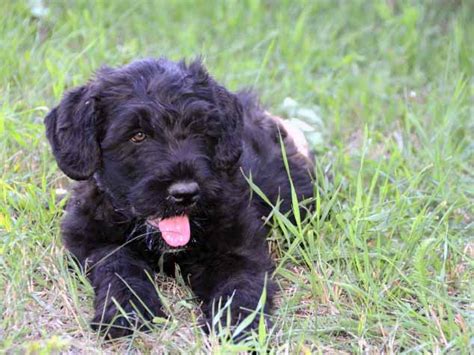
(175, 230)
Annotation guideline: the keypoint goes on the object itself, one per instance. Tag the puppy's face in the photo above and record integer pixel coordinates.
(158, 137)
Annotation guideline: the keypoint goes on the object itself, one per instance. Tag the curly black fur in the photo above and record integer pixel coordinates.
(196, 131)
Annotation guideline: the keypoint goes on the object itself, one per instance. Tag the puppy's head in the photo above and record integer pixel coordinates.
(159, 137)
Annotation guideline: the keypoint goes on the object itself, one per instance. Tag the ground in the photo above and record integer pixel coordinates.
(385, 261)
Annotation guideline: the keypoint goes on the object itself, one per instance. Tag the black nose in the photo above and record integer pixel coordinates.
(184, 192)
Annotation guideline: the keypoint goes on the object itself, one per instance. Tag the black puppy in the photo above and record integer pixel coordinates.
(162, 150)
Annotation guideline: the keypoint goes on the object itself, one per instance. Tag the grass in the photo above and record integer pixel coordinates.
(385, 264)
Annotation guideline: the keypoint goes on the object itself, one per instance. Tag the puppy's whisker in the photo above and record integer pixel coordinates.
(115, 250)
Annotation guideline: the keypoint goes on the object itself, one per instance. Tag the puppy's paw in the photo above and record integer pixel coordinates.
(115, 322)
(239, 325)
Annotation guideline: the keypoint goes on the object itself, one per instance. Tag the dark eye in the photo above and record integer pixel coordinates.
(138, 137)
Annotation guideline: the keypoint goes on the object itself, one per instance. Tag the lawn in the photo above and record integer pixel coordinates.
(384, 263)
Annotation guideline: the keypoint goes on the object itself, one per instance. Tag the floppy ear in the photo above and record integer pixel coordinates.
(229, 144)
(229, 112)
(71, 131)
